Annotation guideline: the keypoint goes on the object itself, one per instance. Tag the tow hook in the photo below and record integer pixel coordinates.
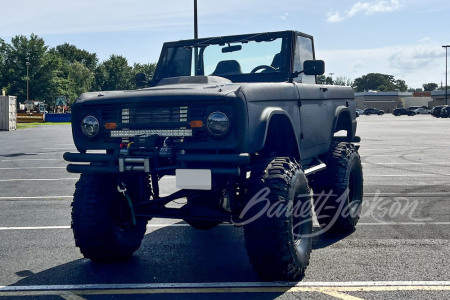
(123, 190)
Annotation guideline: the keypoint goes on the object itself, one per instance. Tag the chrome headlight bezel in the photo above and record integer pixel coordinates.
(90, 126)
(218, 124)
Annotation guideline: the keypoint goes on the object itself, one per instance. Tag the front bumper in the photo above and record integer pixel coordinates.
(219, 164)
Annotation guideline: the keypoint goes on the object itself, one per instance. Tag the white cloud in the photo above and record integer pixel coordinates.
(370, 8)
(367, 8)
(417, 64)
(334, 17)
(282, 17)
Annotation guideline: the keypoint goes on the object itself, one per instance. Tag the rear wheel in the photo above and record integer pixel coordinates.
(278, 222)
(102, 221)
(338, 190)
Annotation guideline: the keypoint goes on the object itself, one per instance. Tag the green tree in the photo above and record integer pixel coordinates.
(17, 54)
(81, 79)
(114, 74)
(401, 85)
(430, 86)
(72, 54)
(379, 82)
(59, 83)
(147, 69)
(322, 79)
(76, 68)
(342, 80)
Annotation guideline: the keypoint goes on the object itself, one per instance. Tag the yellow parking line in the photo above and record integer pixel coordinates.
(339, 295)
(70, 296)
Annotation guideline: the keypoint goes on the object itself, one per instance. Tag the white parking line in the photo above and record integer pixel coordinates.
(34, 228)
(332, 284)
(414, 194)
(406, 175)
(31, 168)
(37, 179)
(227, 225)
(30, 159)
(402, 164)
(335, 289)
(35, 197)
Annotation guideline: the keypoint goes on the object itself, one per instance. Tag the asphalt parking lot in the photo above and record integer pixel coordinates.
(400, 249)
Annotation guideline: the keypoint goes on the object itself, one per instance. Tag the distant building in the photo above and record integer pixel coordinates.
(438, 97)
(422, 94)
(388, 101)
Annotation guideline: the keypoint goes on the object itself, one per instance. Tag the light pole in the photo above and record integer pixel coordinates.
(28, 79)
(195, 20)
(446, 86)
(195, 37)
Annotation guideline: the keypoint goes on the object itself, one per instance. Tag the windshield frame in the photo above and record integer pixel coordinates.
(279, 76)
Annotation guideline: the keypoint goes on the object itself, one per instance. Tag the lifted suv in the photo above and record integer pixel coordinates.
(247, 131)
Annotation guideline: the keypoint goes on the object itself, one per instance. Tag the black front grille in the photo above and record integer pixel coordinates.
(158, 117)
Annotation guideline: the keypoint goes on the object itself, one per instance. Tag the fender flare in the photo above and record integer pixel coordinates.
(343, 121)
(267, 118)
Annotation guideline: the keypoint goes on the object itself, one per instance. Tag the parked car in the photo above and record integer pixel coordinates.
(422, 111)
(359, 112)
(413, 108)
(445, 112)
(403, 111)
(373, 111)
(436, 111)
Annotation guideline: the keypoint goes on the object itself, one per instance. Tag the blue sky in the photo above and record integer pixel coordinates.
(397, 37)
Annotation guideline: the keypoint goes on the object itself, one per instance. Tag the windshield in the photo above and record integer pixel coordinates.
(237, 60)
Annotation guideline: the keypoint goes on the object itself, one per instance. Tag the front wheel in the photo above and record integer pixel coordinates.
(102, 221)
(278, 220)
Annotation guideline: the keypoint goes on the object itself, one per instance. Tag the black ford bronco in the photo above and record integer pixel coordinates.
(242, 124)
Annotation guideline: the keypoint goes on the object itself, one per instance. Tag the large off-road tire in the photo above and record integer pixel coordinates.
(278, 245)
(338, 191)
(102, 222)
(209, 200)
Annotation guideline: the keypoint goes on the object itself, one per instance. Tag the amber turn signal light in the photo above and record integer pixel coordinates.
(111, 126)
(196, 124)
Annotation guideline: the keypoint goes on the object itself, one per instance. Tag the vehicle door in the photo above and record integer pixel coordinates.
(316, 115)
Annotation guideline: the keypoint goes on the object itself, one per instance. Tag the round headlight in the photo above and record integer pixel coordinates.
(90, 126)
(218, 124)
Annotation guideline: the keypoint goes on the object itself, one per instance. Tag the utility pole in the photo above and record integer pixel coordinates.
(446, 85)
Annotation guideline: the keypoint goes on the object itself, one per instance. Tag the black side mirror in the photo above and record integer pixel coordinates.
(314, 67)
(141, 80)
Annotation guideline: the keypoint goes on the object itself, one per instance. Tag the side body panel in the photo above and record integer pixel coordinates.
(321, 107)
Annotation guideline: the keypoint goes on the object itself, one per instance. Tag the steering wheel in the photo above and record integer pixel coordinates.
(262, 67)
